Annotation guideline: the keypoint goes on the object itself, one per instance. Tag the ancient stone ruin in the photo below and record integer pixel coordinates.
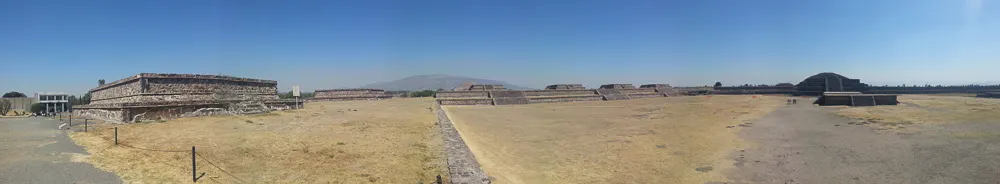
(511, 97)
(152, 96)
(565, 86)
(349, 94)
(856, 99)
(464, 86)
(617, 86)
(828, 82)
(486, 87)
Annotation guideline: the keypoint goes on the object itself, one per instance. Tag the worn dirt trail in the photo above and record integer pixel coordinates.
(808, 144)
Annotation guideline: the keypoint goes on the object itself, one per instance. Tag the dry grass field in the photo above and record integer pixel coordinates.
(927, 109)
(658, 140)
(388, 141)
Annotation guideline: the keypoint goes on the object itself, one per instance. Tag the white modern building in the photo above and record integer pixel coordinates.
(54, 102)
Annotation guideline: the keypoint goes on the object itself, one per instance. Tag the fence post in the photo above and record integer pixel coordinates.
(194, 168)
(116, 135)
(85, 125)
(70, 121)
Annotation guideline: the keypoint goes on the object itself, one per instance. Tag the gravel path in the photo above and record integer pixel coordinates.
(32, 150)
(808, 144)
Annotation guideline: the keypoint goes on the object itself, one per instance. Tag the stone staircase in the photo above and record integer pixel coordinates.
(509, 97)
(612, 94)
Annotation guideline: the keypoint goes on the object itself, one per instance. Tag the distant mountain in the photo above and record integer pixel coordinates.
(433, 82)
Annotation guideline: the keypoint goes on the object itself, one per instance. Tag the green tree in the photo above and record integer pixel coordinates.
(37, 108)
(424, 93)
(14, 94)
(100, 82)
(718, 84)
(85, 99)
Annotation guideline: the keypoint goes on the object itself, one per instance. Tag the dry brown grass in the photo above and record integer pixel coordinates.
(389, 141)
(661, 140)
(927, 109)
(14, 112)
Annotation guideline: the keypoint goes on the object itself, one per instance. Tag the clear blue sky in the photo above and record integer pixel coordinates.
(67, 45)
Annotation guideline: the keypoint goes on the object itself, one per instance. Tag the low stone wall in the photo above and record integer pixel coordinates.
(886, 100)
(638, 96)
(858, 100)
(483, 101)
(462, 165)
(462, 94)
(511, 101)
(540, 93)
(108, 115)
(862, 101)
(554, 99)
(507, 94)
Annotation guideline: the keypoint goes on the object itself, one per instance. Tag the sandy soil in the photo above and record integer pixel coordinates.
(661, 140)
(389, 141)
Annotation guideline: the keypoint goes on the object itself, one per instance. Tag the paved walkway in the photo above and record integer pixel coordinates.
(32, 150)
(808, 144)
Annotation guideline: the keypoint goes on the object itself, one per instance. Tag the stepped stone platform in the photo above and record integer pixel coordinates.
(481, 87)
(349, 94)
(509, 97)
(565, 86)
(153, 96)
(553, 99)
(856, 99)
(617, 86)
(612, 94)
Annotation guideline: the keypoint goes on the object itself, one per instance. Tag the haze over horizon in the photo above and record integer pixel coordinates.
(66, 46)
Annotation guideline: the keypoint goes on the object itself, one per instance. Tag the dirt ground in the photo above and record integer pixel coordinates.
(388, 141)
(926, 109)
(926, 139)
(660, 140)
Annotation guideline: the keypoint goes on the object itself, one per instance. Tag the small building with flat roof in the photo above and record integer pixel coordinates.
(54, 102)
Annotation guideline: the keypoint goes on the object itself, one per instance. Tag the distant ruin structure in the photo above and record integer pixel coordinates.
(153, 96)
(617, 86)
(565, 86)
(349, 94)
(829, 82)
(662, 89)
(486, 87)
(464, 86)
(553, 93)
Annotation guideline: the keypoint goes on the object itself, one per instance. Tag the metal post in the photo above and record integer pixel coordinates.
(116, 135)
(194, 168)
(71, 121)
(84, 125)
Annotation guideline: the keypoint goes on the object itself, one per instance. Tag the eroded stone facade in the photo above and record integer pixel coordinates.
(165, 96)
